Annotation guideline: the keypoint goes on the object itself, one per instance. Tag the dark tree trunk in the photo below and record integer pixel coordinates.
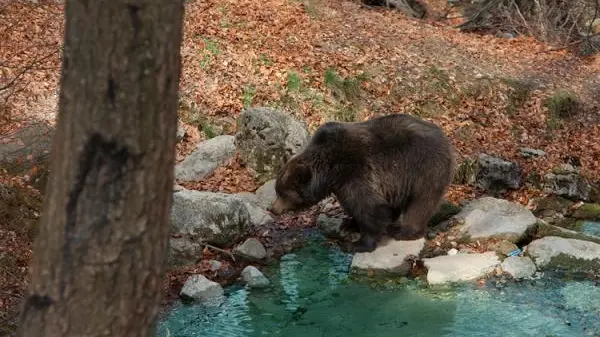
(100, 254)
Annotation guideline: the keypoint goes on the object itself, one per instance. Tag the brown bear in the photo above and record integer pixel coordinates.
(389, 174)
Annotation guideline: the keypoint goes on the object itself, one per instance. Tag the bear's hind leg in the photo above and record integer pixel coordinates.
(372, 225)
(414, 221)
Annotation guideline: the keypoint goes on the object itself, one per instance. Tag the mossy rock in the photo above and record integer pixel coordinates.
(551, 205)
(587, 212)
(445, 212)
(544, 229)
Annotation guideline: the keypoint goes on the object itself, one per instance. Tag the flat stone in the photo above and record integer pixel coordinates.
(527, 152)
(251, 249)
(518, 267)
(489, 217)
(389, 256)
(254, 278)
(207, 156)
(199, 288)
(461, 267)
(554, 250)
(258, 216)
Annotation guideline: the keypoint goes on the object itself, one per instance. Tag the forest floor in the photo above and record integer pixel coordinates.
(324, 60)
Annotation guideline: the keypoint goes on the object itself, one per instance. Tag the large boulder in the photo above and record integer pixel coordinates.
(496, 175)
(571, 254)
(489, 217)
(391, 256)
(207, 156)
(267, 138)
(216, 218)
(565, 181)
(460, 267)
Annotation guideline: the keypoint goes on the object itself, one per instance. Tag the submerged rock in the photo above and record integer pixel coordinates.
(199, 288)
(460, 267)
(573, 254)
(251, 249)
(518, 267)
(216, 218)
(254, 278)
(390, 256)
(267, 138)
(489, 217)
(207, 156)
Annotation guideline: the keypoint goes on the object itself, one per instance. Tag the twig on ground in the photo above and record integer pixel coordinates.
(222, 251)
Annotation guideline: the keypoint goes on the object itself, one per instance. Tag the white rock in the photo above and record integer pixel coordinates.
(460, 267)
(389, 256)
(545, 249)
(453, 251)
(490, 217)
(198, 287)
(207, 156)
(518, 267)
(254, 278)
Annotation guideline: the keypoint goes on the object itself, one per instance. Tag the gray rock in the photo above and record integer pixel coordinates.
(216, 218)
(177, 188)
(266, 194)
(207, 156)
(496, 175)
(527, 152)
(390, 256)
(254, 278)
(461, 267)
(330, 227)
(183, 251)
(199, 288)
(551, 251)
(258, 216)
(518, 267)
(568, 184)
(251, 249)
(489, 217)
(267, 138)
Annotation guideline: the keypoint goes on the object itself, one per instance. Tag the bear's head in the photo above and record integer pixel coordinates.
(292, 187)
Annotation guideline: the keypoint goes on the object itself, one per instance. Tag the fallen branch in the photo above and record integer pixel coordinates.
(222, 251)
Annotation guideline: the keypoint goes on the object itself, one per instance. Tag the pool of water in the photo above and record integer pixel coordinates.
(311, 295)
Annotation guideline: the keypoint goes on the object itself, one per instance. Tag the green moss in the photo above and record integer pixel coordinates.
(569, 263)
(561, 105)
(587, 212)
(544, 229)
(445, 212)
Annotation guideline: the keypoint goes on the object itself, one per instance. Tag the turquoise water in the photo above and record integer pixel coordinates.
(312, 296)
(591, 228)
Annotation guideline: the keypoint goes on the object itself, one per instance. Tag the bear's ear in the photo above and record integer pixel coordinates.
(297, 174)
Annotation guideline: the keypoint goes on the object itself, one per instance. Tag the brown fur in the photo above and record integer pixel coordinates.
(389, 172)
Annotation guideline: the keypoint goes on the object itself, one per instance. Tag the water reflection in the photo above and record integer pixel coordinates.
(310, 298)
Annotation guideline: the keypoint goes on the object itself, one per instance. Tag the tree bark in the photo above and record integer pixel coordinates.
(100, 254)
